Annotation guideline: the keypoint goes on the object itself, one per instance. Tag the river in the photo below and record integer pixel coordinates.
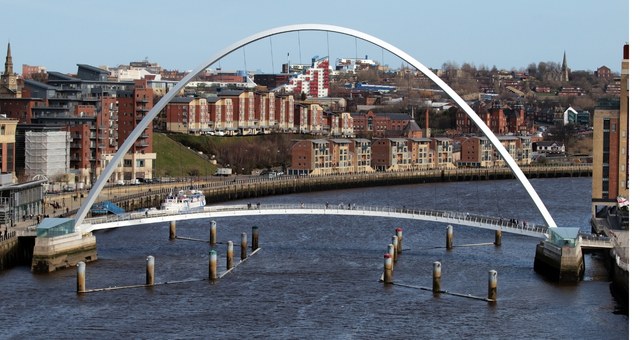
(318, 276)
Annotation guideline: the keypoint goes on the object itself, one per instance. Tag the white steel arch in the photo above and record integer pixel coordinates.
(101, 181)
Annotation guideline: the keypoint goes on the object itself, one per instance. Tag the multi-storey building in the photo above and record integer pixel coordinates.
(339, 124)
(606, 154)
(309, 118)
(188, 115)
(500, 119)
(421, 153)
(476, 152)
(391, 154)
(313, 81)
(525, 150)
(342, 157)
(310, 156)
(371, 124)
(479, 152)
(361, 149)
(284, 113)
(133, 106)
(442, 152)
(8, 145)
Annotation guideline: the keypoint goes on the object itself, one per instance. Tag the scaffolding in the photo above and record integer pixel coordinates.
(47, 153)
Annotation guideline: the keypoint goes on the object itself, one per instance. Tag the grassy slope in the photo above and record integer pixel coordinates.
(174, 159)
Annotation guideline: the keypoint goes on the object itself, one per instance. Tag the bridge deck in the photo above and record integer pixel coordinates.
(445, 217)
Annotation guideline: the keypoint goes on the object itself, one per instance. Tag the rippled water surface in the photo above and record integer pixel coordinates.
(318, 276)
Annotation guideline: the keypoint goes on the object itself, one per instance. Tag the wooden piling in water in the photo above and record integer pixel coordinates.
(151, 270)
(394, 242)
(388, 268)
(400, 237)
(213, 265)
(449, 237)
(229, 255)
(213, 233)
(80, 287)
(172, 230)
(243, 246)
(492, 295)
(437, 275)
(498, 239)
(254, 238)
(391, 251)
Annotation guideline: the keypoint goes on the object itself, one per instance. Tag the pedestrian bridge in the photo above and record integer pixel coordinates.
(444, 217)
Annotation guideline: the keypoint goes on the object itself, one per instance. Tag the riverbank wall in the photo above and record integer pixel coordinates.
(241, 187)
(16, 250)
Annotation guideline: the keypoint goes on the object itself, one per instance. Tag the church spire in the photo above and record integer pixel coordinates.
(565, 68)
(8, 65)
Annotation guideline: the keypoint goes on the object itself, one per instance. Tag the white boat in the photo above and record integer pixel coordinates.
(184, 201)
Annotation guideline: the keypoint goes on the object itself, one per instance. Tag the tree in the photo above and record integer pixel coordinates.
(567, 134)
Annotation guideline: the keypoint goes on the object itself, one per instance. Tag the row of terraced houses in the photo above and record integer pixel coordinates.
(340, 155)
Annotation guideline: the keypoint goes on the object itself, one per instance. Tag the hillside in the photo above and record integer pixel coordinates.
(176, 160)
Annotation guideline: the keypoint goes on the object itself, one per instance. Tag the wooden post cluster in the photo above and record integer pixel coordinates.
(391, 256)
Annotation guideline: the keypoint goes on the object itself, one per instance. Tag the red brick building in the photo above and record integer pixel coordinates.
(371, 124)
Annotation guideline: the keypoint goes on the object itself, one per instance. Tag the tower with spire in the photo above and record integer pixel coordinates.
(564, 77)
(9, 80)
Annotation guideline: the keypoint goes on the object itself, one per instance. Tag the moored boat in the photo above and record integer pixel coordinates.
(184, 201)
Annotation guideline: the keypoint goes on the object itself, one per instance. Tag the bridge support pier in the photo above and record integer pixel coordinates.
(58, 251)
(449, 237)
(564, 264)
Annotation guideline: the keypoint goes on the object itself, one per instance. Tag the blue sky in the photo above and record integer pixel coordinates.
(183, 34)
